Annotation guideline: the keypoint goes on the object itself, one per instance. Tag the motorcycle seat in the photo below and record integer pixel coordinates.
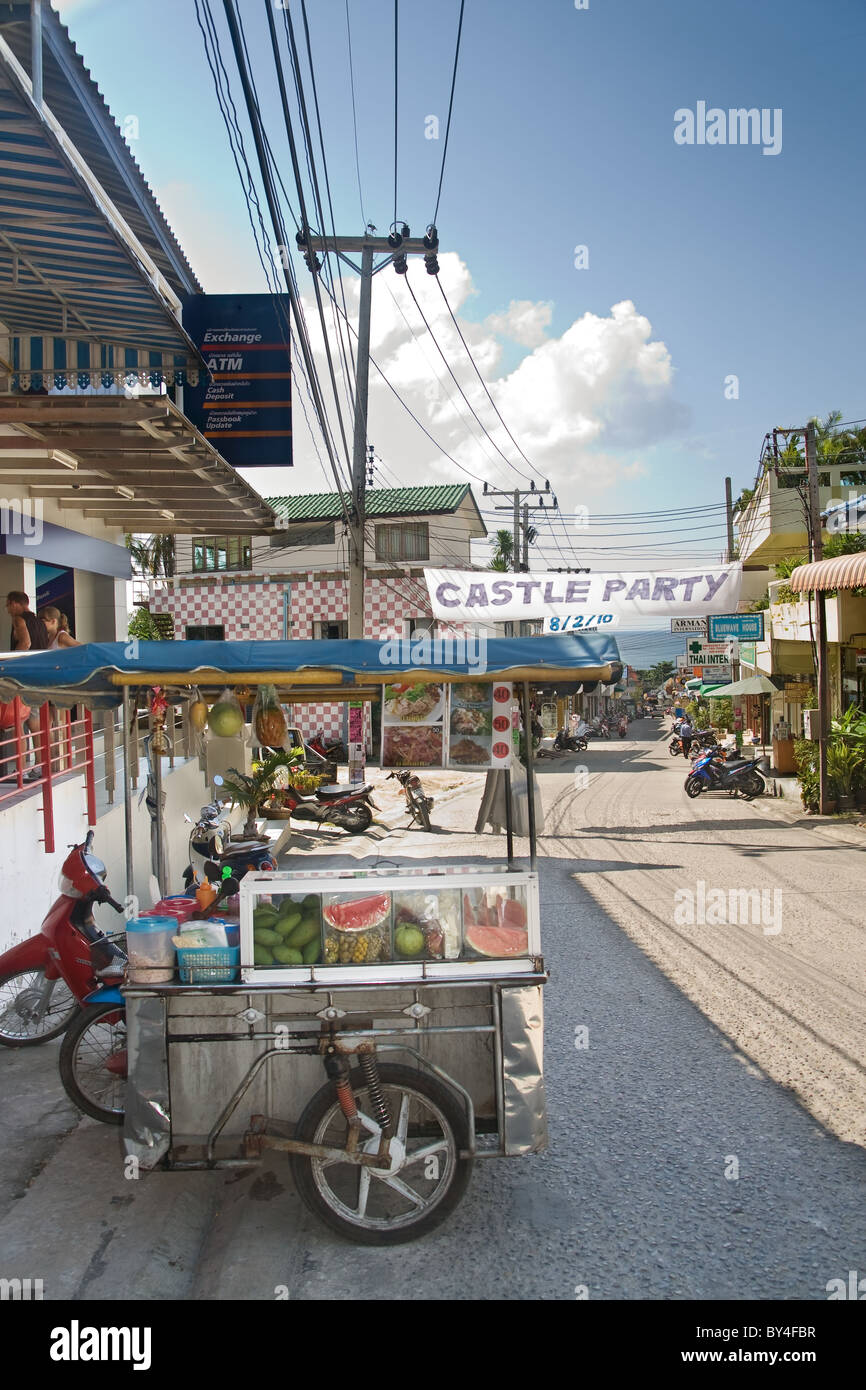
(243, 846)
(337, 793)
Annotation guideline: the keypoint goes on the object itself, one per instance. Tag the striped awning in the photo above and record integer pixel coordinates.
(843, 572)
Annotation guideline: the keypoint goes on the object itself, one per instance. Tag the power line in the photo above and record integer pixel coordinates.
(355, 117)
(396, 34)
(450, 109)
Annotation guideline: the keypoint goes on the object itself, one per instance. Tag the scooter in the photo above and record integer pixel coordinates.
(622, 728)
(736, 775)
(569, 743)
(213, 848)
(347, 807)
(44, 980)
(417, 803)
(333, 750)
(93, 1054)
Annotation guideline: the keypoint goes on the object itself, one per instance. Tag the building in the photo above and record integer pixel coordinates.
(771, 528)
(293, 583)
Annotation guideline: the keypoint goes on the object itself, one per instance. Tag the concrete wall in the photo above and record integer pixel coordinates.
(30, 876)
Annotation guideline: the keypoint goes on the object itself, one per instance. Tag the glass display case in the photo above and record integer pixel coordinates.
(405, 924)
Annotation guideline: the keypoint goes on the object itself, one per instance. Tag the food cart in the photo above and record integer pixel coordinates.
(380, 1024)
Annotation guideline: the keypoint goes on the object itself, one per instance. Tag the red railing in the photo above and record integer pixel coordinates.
(61, 745)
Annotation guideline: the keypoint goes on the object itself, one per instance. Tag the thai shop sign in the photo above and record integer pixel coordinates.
(243, 406)
(710, 654)
(467, 724)
(632, 595)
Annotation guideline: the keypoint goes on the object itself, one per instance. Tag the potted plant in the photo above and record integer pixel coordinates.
(844, 763)
(250, 792)
(806, 763)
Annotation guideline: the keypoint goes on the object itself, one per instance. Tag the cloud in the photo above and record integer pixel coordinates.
(582, 405)
(523, 322)
(67, 9)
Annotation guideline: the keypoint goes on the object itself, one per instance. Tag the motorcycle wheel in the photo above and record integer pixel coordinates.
(674, 749)
(580, 744)
(93, 1062)
(355, 820)
(753, 784)
(427, 1178)
(419, 806)
(20, 993)
(694, 786)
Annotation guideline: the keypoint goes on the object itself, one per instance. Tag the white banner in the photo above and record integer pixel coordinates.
(485, 596)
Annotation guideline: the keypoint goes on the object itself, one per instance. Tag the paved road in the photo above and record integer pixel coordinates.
(678, 1167)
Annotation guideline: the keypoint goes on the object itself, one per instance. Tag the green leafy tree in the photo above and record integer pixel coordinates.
(503, 550)
(143, 626)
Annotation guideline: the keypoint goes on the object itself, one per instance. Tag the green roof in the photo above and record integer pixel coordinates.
(384, 501)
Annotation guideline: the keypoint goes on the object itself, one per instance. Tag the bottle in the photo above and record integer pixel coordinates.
(205, 896)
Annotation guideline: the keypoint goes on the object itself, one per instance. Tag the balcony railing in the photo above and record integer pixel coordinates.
(62, 745)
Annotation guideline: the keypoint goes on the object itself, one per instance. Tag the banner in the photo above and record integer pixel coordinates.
(485, 596)
(245, 408)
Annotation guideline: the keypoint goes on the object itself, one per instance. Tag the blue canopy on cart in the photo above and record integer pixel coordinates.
(84, 674)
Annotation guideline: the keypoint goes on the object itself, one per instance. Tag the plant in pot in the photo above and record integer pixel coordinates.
(844, 764)
(251, 792)
(806, 763)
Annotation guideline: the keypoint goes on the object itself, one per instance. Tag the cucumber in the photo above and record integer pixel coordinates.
(287, 923)
(262, 956)
(265, 936)
(311, 952)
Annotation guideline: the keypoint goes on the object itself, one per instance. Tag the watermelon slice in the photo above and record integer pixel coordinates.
(358, 914)
(511, 913)
(497, 942)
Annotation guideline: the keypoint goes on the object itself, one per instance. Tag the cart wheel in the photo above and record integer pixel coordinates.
(427, 1177)
(93, 1062)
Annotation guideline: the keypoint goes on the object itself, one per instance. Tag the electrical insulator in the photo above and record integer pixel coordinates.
(431, 242)
(312, 261)
(401, 265)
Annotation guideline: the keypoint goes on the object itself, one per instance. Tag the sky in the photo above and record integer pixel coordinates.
(719, 291)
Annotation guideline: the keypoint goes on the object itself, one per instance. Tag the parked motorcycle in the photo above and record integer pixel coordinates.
(332, 750)
(733, 774)
(569, 743)
(93, 1054)
(44, 980)
(347, 807)
(417, 803)
(213, 848)
(622, 728)
(702, 738)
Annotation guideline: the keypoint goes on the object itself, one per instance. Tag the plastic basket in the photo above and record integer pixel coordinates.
(208, 965)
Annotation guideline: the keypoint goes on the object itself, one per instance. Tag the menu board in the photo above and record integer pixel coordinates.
(479, 723)
(466, 725)
(413, 724)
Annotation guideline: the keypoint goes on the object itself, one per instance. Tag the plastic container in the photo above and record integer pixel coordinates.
(181, 908)
(151, 949)
(348, 941)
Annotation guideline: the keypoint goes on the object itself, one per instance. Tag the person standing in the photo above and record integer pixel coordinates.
(29, 634)
(57, 627)
(686, 733)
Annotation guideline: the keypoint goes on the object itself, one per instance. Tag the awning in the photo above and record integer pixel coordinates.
(95, 673)
(754, 685)
(71, 265)
(843, 572)
(137, 465)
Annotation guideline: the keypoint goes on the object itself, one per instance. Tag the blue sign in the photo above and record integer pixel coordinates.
(244, 405)
(746, 627)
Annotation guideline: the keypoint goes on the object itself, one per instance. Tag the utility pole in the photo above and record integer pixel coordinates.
(394, 248)
(817, 552)
(729, 508)
(520, 548)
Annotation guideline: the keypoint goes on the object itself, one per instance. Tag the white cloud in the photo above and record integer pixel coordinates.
(582, 405)
(524, 322)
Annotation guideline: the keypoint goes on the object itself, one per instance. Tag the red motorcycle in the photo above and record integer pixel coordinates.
(44, 980)
(347, 807)
(332, 750)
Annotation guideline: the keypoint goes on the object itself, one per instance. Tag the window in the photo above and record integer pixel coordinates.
(221, 553)
(331, 630)
(304, 534)
(409, 540)
(421, 627)
(205, 634)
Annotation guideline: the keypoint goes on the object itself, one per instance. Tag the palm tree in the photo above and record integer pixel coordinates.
(503, 553)
(153, 555)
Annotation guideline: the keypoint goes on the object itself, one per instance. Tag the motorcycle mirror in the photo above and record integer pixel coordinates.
(217, 780)
(229, 887)
(188, 819)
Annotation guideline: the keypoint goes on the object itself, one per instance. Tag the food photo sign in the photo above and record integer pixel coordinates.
(466, 725)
